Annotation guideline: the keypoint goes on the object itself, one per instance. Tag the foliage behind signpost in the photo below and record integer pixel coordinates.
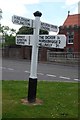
(9, 40)
(28, 30)
(8, 35)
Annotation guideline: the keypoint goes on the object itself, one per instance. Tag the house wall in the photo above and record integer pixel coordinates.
(76, 44)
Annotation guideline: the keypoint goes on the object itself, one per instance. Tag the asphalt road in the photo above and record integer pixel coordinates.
(20, 70)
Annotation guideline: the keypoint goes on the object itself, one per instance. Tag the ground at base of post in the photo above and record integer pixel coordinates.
(26, 102)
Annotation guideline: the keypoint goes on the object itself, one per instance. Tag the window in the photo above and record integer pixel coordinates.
(70, 37)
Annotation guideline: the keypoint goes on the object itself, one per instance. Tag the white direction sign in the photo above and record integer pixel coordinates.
(30, 23)
(51, 41)
(22, 21)
(24, 40)
(49, 27)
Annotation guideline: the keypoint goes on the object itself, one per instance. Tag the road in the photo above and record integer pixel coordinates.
(20, 70)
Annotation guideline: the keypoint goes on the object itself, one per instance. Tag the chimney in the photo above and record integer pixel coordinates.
(68, 13)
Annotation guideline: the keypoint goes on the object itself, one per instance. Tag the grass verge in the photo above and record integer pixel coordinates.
(60, 100)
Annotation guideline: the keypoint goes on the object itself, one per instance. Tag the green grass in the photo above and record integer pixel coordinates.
(0, 99)
(0, 45)
(60, 100)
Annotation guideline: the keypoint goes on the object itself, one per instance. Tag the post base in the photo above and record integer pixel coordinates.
(37, 102)
(32, 88)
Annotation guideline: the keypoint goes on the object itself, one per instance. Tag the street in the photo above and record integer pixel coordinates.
(20, 70)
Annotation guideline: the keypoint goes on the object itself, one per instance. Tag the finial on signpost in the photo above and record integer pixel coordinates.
(37, 13)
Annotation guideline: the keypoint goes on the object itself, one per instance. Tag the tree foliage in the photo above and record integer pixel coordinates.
(0, 13)
(9, 40)
(5, 30)
(8, 33)
(27, 30)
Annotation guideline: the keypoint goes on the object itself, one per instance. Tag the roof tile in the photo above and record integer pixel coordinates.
(72, 20)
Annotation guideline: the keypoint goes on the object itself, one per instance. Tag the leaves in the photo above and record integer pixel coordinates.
(5, 30)
(27, 30)
(8, 34)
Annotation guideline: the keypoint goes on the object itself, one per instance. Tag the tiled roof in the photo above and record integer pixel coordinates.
(72, 20)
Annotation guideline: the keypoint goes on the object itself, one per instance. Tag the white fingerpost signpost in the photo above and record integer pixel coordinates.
(33, 73)
(36, 41)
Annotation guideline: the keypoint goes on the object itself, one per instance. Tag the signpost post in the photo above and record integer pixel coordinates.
(33, 73)
(36, 41)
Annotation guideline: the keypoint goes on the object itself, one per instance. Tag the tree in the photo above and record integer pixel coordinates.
(42, 32)
(9, 40)
(7, 34)
(5, 30)
(1, 28)
(0, 14)
(12, 31)
(27, 30)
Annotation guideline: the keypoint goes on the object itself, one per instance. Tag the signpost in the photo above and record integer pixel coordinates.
(22, 21)
(49, 27)
(51, 41)
(36, 41)
(25, 40)
(31, 23)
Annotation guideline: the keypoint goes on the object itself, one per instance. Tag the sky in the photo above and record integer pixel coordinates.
(53, 11)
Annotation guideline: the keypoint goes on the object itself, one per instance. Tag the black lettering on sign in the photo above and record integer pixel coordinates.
(59, 41)
(20, 43)
(53, 26)
(29, 40)
(45, 28)
(41, 37)
(25, 40)
(40, 44)
(58, 37)
(40, 40)
(50, 37)
(57, 45)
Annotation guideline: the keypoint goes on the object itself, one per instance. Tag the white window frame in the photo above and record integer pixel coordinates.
(70, 37)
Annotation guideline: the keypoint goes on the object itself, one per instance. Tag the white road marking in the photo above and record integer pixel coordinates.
(2, 67)
(51, 75)
(77, 79)
(27, 71)
(6, 68)
(10, 69)
(64, 77)
(40, 73)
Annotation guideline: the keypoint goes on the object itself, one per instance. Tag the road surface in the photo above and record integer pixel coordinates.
(20, 70)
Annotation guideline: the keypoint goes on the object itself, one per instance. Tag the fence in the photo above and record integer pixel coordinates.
(63, 56)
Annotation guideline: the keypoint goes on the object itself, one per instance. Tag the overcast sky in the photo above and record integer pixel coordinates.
(53, 11)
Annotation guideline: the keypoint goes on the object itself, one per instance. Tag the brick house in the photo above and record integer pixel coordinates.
(71, 28)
